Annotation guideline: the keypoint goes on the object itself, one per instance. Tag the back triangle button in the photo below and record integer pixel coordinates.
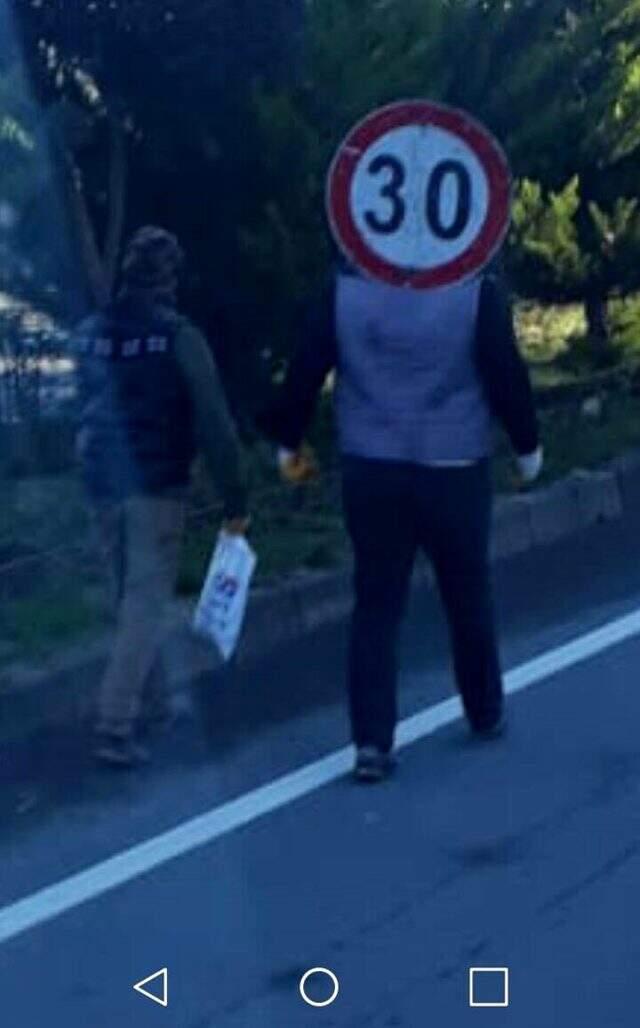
(163, 978)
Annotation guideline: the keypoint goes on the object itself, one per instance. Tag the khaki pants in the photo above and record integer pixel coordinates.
(140, 540)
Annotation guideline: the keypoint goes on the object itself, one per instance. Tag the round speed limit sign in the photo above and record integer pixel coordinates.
(419, 195)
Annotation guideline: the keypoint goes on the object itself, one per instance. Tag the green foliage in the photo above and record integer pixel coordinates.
(625, 325)
(546, 254)
(546, 331)
(561, 248)
(617, 244)
(601, 41)
(558, 82)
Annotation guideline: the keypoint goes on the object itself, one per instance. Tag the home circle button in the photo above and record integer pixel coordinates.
(311, 978)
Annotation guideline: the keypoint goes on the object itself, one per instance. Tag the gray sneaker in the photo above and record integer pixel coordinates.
(120, 751)
(491, 733)
(373, 766)
(158, 721)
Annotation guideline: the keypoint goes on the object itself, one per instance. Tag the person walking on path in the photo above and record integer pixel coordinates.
(420, 376)
(149, 394)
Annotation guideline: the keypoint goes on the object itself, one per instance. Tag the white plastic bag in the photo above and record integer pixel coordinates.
(222, 606)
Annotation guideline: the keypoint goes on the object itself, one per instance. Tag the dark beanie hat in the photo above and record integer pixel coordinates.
(152, 260)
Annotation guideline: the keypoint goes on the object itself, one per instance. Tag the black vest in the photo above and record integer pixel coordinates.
(136, 424)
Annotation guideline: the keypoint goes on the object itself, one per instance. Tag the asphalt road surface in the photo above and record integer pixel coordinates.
(244, 857)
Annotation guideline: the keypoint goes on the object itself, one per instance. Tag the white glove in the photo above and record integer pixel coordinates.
(530, 465)
(284, 457)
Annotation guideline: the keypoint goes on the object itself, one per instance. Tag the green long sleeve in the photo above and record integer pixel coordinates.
(216, 431)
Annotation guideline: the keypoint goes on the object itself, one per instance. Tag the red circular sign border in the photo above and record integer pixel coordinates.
(343, 168)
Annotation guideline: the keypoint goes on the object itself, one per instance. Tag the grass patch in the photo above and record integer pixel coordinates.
(310, 543)
(293, 529)
(43, 513)
(572, 441)
(49, 618)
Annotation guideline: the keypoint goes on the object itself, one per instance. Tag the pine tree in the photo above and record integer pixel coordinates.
(558, 82)
(595, 141)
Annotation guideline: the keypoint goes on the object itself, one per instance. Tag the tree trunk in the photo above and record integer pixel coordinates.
(598, 327)
(117, 201)
(89, 251)
(100, 268)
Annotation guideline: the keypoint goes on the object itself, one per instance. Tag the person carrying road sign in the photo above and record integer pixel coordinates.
(422, 341)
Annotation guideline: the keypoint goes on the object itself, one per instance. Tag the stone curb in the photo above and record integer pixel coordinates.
(64, 688)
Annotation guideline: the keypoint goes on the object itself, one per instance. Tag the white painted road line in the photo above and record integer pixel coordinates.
(87, 885)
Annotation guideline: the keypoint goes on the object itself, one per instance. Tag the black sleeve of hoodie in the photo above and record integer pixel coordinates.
(504, 373)
(288, 418)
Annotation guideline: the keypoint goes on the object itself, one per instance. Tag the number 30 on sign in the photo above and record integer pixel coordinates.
(419, 195)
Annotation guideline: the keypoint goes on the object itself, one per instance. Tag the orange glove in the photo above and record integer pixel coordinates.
(299, 467)
(236, 526)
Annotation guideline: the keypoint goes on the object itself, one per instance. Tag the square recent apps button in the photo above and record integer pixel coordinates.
(489, 987)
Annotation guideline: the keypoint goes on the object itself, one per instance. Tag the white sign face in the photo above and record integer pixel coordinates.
(419, 197)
